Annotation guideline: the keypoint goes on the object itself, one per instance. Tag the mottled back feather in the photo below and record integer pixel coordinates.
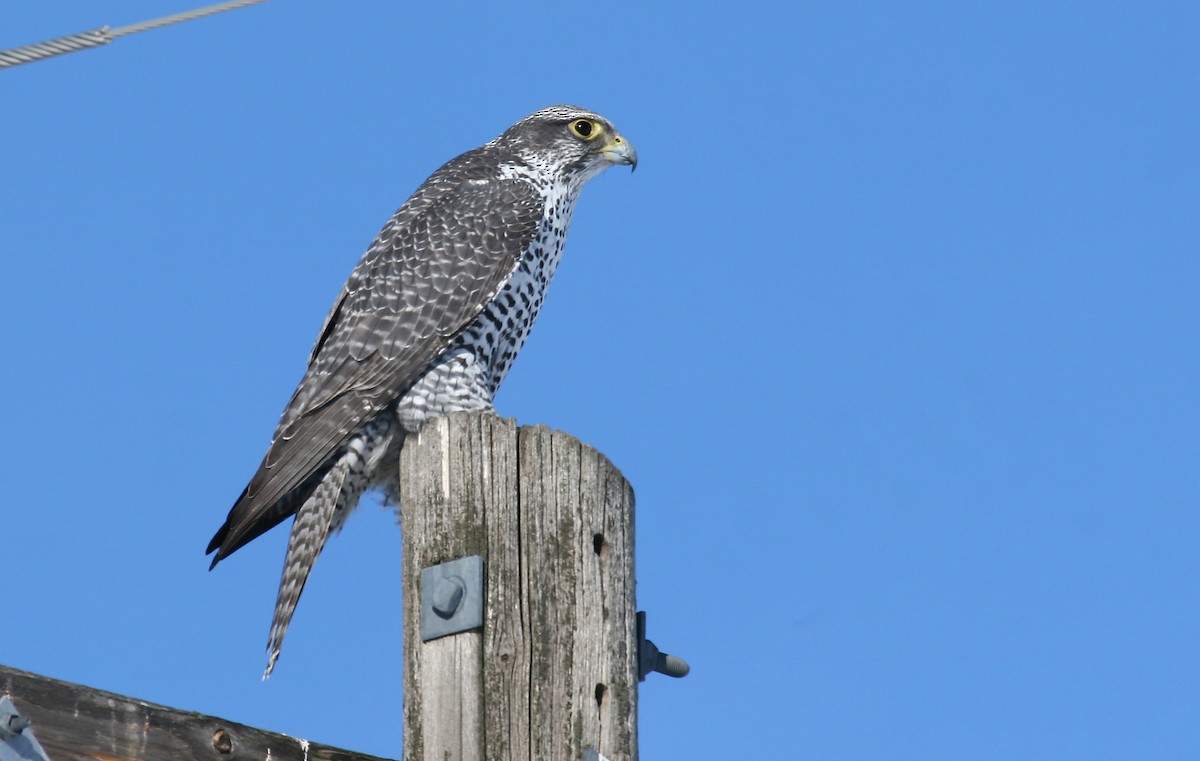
(427, 275)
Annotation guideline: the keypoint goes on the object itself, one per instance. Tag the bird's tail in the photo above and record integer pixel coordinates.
(325, 509)
(309, 532)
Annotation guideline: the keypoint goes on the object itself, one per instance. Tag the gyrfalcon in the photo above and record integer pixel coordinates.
(428, 323)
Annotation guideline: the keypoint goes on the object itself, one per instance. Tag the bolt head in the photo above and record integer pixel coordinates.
(447, 595)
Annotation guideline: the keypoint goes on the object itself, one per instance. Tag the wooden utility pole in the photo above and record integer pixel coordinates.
(552, 673)
(547, 672)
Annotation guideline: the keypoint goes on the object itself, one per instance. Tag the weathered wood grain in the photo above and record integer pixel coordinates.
(76, 723)
(554, 669)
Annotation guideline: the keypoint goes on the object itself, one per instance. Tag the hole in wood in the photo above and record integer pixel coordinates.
(600, 690)
(222, 742)
(597, 542)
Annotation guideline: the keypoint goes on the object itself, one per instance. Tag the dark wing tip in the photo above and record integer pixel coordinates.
(219, 539)
(214, 545)
(247, 520)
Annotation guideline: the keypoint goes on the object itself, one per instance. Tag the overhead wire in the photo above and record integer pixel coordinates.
(104, 35)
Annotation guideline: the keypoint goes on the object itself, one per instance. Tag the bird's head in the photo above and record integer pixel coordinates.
(569, 140)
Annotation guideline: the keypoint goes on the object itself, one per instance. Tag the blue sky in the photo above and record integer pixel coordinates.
(893, 331)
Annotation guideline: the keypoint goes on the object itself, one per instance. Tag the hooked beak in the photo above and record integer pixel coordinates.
(619, 151)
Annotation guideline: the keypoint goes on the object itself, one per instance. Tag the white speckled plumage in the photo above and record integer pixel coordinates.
(428, 323)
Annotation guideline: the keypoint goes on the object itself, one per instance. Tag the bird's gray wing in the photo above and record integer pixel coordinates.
(430, 272)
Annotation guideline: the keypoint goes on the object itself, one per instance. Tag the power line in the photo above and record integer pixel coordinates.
(104, 35)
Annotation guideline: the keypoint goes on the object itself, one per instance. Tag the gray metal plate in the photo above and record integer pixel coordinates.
(452, 597)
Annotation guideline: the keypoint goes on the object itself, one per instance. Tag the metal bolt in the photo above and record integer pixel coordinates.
(650, 658)
(447, 595)
(12, 723)
(671, 665)
(451, 597)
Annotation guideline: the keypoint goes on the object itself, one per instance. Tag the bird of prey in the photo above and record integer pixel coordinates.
(428, 324)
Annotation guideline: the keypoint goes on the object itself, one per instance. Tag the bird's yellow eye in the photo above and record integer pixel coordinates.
(586, 128)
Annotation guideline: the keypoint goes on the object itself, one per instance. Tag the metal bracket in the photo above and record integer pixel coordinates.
(451, 597)
(591, 754)
(650, 658)
(17, 742)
